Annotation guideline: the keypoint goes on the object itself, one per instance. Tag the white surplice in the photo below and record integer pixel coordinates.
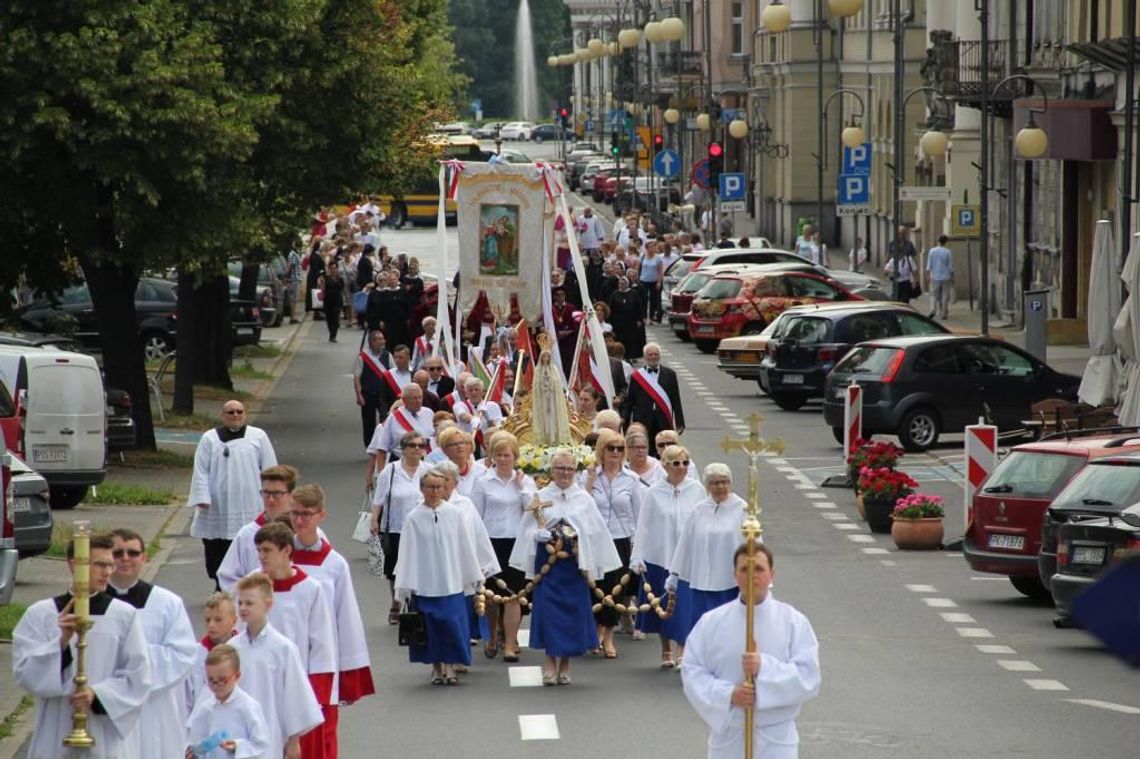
(118, 670)
(437, 553)
(303, 615)
(789, 676)
(241, 717)
(272, 673)
(228, 477)
(241, 557)
(665, 510)
(596, 552)
(704, 553)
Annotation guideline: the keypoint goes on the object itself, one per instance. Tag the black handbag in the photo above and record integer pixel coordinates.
(412, 627)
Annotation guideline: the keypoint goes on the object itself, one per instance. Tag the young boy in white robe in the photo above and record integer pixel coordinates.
(229, 724)
(277, 484)
(301, 612)
(784, 667)
(170, 638)
(323, 563)
(272, 672)
(118, 665)
(221, 625)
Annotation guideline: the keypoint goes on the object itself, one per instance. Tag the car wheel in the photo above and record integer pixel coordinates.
(837, 433)
(155, 345)
(65, 499)
(399, 215)
(1031, 587)
(763, 389)
(685, 338)
(789, 401)
(919, 429)
(537, 139)
(707, 346)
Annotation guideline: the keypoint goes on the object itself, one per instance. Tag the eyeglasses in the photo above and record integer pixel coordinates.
(220, 681)
(563, 469)
(615, 448)
(119, 553)
(413, 445)
(233, 412)
(303, 514)
(639, 447)
(666, 444)
(680, 463)
(103, 564)
(435, 368)
(274, 493)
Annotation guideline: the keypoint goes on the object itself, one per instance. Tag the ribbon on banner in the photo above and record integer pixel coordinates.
(455, 167)
(551, 180)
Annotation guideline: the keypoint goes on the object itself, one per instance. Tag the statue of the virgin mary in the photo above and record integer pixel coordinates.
(550, 414)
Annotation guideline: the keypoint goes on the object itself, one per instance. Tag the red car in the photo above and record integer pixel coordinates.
(1004, 535)
(682, 296)
(743, 304)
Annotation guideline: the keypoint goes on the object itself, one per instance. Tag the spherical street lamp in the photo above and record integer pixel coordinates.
(567, 59)
(613, 48)
(596, 47)
(934, 143)
(1031, 141)
(672, 115)
(653, 31)
(738, 128)
(776, 17)
(853, 136)
(672, 29)
(628, 38)
(843, 8)
(704, 123)
(552, 60)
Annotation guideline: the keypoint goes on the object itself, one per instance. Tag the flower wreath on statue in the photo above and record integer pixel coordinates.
(535, 459)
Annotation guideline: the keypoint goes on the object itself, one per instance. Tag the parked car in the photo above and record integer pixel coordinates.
(30, 509)
(1092, 493)
(487, 131)
(681, 298)
(862, 284)
(1008, 528)
(741, 356)
(602, 178)
(590, 171)
(919, 387)
(1086, 549)
(516, 130)
(744, 304)
(583, 148)
(455, 127)
(550, 132)
(9, 555)
(576, 165)
(270, 288)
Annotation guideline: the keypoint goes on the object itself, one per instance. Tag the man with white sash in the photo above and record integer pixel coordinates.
(654, 398)
(409, 416)
(422, 350)
(368, 371)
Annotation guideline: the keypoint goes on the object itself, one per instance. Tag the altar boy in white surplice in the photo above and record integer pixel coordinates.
(785, 668)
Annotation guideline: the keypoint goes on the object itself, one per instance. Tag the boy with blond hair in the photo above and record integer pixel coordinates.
(229, 724)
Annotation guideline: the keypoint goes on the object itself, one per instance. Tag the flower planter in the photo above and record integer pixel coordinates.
(917, 534)
(860, 507)
(878, 513)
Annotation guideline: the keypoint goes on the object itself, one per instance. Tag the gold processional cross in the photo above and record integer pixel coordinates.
(754, 447)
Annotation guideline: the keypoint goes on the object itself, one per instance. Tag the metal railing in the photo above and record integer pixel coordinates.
(961, 72)
(685, 63)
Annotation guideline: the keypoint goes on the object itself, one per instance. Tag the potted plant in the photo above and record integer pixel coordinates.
(870, 454)
(917, 522)
(881, 489)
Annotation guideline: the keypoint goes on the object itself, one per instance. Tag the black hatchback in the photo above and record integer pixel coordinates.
(812, 344)
(1086, 548)
(919, 387)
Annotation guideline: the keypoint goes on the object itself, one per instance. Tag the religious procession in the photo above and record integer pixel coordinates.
(522, 484)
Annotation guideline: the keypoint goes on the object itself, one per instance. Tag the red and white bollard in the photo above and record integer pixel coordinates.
(981, 458)
(852, 417)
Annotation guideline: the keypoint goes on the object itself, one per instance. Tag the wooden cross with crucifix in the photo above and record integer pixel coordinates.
(536, 507)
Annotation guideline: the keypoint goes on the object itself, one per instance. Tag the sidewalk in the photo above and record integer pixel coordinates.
(42, 577)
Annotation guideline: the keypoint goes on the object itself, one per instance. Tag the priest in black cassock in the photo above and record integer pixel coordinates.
(118, 666)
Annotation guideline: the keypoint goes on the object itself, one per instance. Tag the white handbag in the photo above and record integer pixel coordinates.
(363, 530)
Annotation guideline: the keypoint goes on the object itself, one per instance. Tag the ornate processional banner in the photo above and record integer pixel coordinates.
(501, 215)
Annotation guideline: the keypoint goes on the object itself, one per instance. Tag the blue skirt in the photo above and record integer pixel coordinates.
(479, 628)
(448, 631)
(562, 617)
(677, 626)
(701, 601)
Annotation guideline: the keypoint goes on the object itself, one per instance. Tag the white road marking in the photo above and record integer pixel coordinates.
(860, 538)
(1104, 705)
(922, 588)
(990, 648)
(815, 495)
(940, 603)
(538, 727)
(991, 578)
(525, 677)
(888, 562)
(802, 486)
(1046, 684)
(847, 526)
(524, 637)
(788, 470)
(957, 617)
(778, 462)
(873, 551)
(836, 517)
(974, 632)
(1018, 665)
(822, 505)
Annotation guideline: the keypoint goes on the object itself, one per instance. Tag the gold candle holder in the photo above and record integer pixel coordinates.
(81, 595)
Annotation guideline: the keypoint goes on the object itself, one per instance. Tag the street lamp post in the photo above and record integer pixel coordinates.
(852, 136)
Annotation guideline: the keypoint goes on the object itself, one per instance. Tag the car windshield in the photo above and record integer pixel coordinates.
(1100, 486)
(720, 288)
(693, 283)
(866, 359)
(680, 268)
(1032, 474)
(806, 330)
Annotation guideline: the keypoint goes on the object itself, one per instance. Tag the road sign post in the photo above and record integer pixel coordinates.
(853, 196)
(965, 220)
(700, 173)
(667, 164)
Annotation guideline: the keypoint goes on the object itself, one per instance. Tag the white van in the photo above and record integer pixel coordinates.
(61, 410)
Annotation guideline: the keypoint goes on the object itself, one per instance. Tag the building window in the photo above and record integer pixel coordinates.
(736, 28)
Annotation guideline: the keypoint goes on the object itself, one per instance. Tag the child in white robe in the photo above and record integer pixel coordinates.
(221, 625)
(230, 724)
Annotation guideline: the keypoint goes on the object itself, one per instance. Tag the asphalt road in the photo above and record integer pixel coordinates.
(921, 657)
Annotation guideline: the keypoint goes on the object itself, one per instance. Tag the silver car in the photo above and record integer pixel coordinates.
(31, 509)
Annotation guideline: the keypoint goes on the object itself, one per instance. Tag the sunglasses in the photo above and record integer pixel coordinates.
(233, 412)
(119, 553)
(679, 463)
(615, 448)
(666, 444)
(435, 368)
(413, 445)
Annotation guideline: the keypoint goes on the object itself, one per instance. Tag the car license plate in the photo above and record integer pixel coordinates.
(749, 356)
(840, 393)
(706, 330)
(21, 505)
(245, 330)
(1008, 542)
(50, 454)
(1088, 555)
(793, 379)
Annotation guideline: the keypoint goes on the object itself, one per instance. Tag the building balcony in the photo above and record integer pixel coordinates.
(686, 64)
(958, 73)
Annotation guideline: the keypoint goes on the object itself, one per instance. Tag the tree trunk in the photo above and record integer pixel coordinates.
(185, 365)
(247, 290)
(213, 342)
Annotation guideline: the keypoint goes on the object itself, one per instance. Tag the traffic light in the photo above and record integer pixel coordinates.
(658, 143)
(716, 163)
(564, 117)
(615, 148)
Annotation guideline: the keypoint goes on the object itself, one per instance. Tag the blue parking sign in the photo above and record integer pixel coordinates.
(732, 186)
(857, 160)
(854, 190)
